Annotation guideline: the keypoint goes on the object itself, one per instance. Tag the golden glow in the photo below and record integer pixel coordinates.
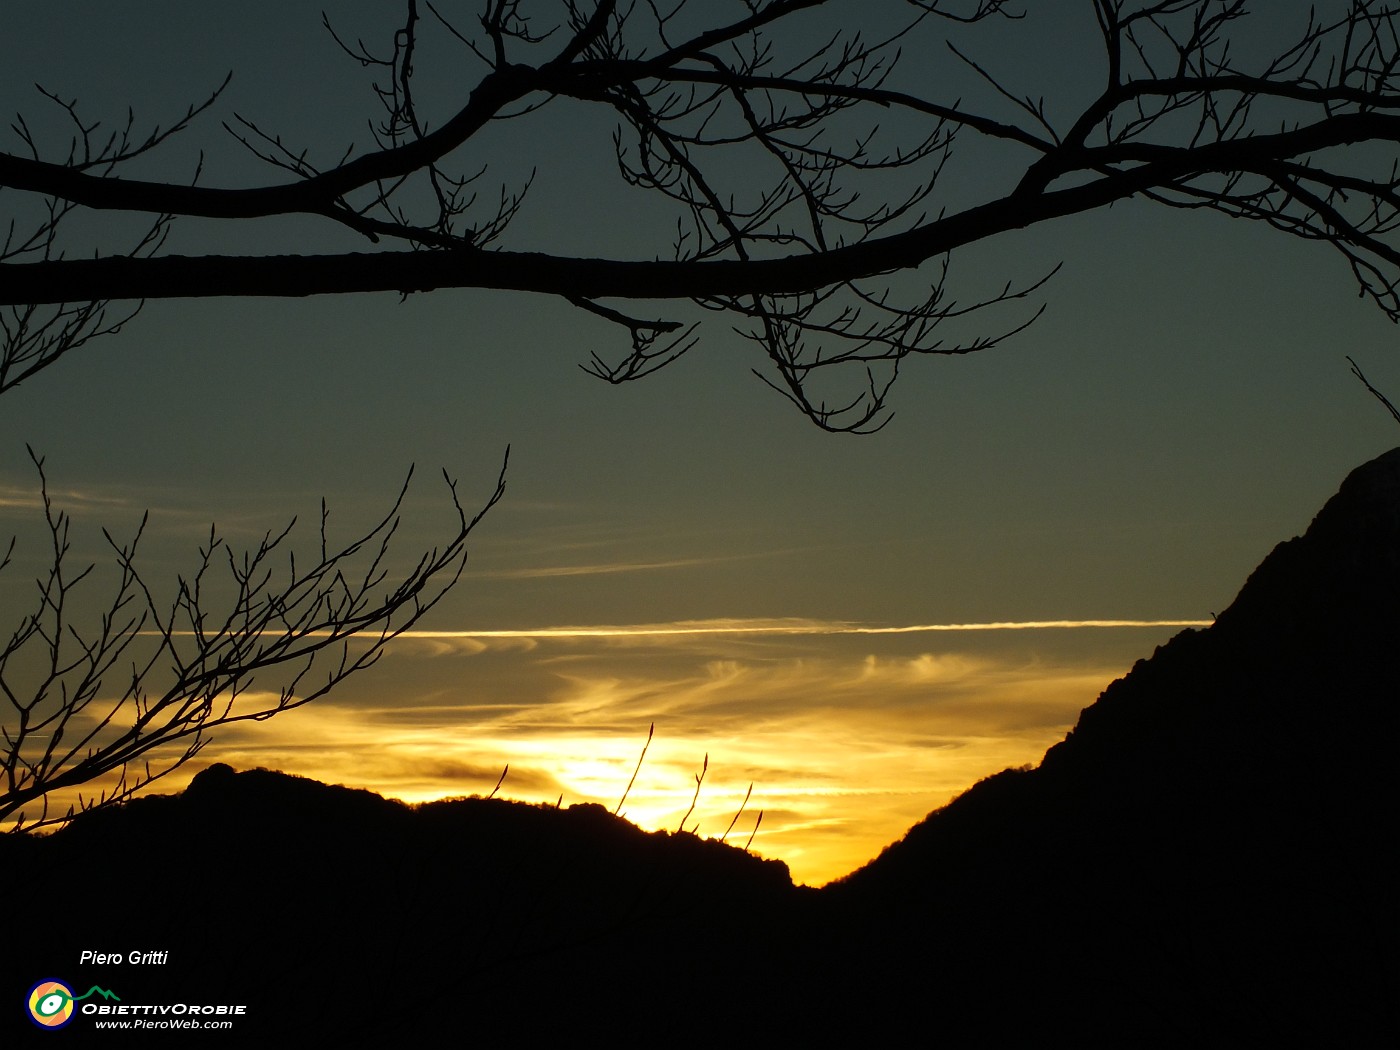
(848, 733)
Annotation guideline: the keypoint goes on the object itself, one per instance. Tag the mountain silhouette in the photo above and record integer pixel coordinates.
(1203, 861)
(330, 910)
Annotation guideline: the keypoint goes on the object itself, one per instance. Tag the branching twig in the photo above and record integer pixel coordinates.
(137, 695)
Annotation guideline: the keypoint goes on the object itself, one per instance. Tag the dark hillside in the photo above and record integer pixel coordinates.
(1206, 855)
(295, 896)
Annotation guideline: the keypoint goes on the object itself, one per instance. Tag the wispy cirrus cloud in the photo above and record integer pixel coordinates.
(70, 500)
(602, 568)
(595, 569)
(784, 626)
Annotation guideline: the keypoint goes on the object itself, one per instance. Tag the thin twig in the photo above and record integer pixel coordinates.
(500, 782)
(699, 779)
(618, 808)
(738, 814)
(754, 832)
(1356, 371)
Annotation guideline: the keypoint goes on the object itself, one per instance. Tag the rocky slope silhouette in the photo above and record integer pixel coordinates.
(1205, 858)
(1203, 861)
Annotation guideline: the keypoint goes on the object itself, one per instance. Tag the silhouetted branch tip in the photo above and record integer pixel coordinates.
(1385, 401)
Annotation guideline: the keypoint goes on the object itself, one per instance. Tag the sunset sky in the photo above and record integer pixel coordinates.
(860, 627)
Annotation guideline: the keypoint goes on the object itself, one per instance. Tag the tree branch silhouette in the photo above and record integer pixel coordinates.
(137, 695)
(767, 147)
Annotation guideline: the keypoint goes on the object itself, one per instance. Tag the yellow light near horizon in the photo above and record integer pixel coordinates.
(846, 745)
(822, 826)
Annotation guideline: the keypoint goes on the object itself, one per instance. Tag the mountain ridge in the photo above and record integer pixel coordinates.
(1208, 840)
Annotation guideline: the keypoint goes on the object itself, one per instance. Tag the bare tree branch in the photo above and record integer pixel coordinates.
(794, 204)
(128, 699)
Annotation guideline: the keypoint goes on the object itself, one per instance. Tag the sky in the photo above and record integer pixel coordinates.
(788, 606)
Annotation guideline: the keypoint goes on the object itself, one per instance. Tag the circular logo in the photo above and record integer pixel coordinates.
(51, 1004)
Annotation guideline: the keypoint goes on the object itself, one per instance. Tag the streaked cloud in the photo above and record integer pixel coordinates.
(603, 568)
(786, 626)
(597, 569)
(72, 501)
